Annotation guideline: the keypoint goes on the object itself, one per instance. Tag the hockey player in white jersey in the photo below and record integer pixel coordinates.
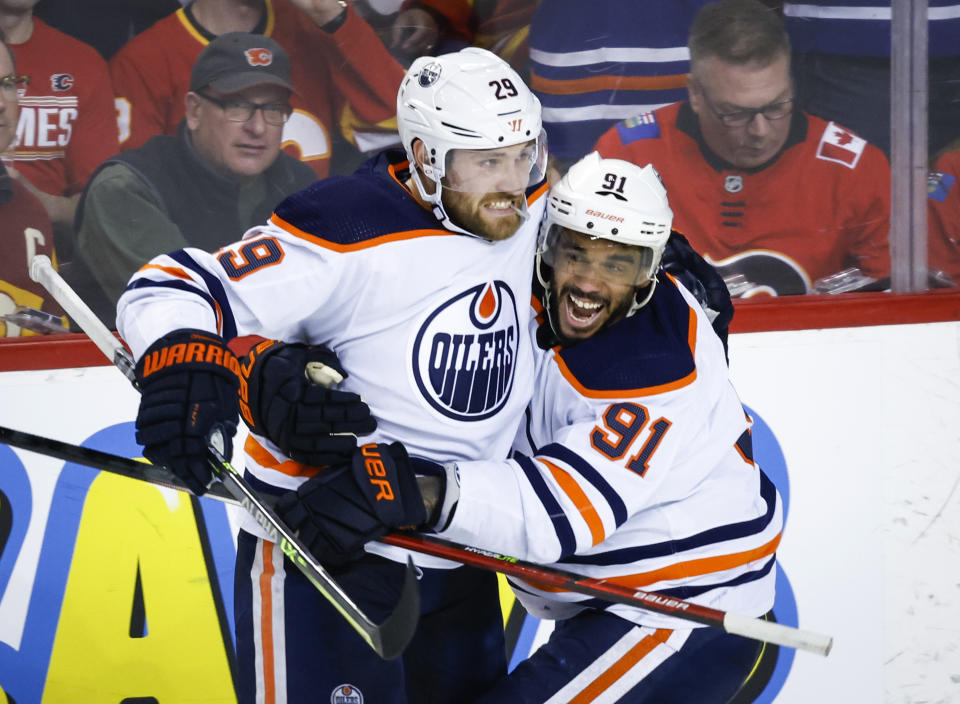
(415, 272)
(634, 465)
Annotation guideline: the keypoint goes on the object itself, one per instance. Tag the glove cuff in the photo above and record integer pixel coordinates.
(199, 349)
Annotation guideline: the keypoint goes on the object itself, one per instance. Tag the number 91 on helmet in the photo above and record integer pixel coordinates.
(470, 125)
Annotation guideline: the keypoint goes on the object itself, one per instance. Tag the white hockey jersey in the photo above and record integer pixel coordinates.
(431, 325)
(634, 466)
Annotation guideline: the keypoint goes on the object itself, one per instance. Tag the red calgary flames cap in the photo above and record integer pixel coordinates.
(238, 60)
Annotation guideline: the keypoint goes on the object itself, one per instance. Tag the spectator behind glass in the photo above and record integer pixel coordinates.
(842, 65)
(773, 196)
(106, 25)
(943, 216)
(25, 228)
(346, 80)
(438, 26)
(67, 118)
(221, 174)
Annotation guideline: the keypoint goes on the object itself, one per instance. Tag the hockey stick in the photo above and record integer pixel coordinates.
(746, 626)
(389, 638)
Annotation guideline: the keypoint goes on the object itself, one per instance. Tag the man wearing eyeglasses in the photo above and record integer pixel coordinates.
(780, 201)
(25, 227)
(222, 173)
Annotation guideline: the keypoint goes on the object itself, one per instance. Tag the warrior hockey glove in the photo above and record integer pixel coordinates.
(336, 512)
(702, 280)
(188, 383)
(309, 423)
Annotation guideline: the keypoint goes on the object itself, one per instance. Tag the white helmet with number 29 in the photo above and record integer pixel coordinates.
(471, 100)
(614, 200)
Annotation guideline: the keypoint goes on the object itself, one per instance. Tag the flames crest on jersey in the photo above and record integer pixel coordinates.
(464, 355)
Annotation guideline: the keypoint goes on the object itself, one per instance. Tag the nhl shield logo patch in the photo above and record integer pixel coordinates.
(465, 352)
(346, 694)
(733, 183)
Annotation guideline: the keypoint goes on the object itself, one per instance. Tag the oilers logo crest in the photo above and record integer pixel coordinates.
(465, 352)
(346, 694)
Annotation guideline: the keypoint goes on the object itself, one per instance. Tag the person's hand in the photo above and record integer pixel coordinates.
(320, 11)
(310, 423)
(341, 509)
(188, 383)
(60, 209)
(702, 280)
(414, 32)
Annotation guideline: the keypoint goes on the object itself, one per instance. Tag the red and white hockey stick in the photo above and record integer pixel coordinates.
(746, 626)
(388, 639)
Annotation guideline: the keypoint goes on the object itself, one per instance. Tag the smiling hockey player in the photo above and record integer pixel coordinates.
(634, 466)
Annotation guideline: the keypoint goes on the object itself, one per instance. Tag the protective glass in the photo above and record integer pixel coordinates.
(510, 169)
(237, 110)
(575, 254)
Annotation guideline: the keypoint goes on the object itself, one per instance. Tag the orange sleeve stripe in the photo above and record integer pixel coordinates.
(579, 499)
(259, 454)
(538, 193)
(366, 244)
(680, 570)
(696, 568)
(613, 673)
(176, 272)
(601, 83)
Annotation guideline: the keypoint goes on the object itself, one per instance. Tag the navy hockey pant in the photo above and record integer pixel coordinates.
(293, 646)
(600, 658)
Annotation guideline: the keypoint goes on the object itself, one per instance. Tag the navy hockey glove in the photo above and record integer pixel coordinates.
(336, 512)
(309, 423)
(702, 280)
(188, 384)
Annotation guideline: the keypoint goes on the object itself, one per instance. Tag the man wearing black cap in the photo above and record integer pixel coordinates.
(221, 174)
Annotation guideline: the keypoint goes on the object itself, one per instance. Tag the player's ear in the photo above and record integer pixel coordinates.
(420, 154)
(191, 104)
(694, 93)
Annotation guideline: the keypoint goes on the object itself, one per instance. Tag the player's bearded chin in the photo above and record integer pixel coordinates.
(469, 211)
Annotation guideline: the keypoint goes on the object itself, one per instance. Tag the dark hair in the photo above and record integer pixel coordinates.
(737, 32)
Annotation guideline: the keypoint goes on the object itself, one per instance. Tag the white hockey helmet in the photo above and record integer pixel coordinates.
(614, 200)
(472, 100)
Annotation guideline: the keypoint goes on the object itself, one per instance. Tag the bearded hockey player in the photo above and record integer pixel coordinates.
(415, 272)
(634, 466)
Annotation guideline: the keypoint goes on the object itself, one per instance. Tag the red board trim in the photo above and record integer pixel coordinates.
(753, 315)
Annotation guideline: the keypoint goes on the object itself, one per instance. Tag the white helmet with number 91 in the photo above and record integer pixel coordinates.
(469, 100)
(606, 199)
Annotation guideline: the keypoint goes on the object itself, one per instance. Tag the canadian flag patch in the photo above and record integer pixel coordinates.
(841, 145)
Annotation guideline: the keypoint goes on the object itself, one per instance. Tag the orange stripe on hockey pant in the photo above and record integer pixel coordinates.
(599, 83)
(621, 666)
(259, 454)
(580, 500)
(266, 623)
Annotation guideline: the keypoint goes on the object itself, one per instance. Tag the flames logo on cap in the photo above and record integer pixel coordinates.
(465, 353)
(259, 56)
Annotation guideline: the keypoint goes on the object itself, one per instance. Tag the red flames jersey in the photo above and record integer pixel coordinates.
(943, 213)
(345, 80)
(25, 230)
(67, 121)
(822, 206)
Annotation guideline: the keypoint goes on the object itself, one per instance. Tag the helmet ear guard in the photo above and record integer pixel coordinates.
(608, 199)
(470, 100)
